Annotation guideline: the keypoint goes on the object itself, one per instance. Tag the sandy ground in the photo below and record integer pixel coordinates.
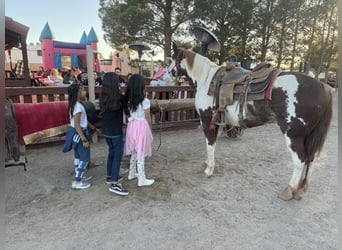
(237, 208)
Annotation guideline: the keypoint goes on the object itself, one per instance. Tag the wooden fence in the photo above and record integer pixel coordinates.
(164, 120)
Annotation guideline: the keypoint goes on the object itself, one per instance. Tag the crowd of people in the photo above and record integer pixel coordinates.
(116, 108)
(64, 77)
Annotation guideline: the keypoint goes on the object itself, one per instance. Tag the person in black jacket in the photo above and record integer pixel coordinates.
(112, 107)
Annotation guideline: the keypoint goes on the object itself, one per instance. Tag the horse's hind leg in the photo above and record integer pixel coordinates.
(296, 148)
(304, 183)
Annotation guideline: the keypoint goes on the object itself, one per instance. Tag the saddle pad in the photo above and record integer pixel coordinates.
(40, 120)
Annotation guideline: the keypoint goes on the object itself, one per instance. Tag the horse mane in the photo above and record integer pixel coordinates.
(189, 56)
(203, 64)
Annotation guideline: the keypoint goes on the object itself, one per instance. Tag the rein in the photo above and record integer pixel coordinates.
(161, 112)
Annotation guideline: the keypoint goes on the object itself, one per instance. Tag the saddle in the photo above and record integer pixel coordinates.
(233, 83)
(12, 146)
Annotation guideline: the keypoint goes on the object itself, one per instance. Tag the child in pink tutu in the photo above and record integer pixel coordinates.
(139, 137)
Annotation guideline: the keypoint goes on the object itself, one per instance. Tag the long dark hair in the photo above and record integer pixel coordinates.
(135, 91)
(73, 90)
(110, 99)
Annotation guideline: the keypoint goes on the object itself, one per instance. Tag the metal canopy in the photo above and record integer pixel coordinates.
(207, 38)
(139, 46)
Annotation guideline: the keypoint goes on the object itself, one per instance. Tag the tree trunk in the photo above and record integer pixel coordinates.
(311, 39)
(167, 30)
(295, 39)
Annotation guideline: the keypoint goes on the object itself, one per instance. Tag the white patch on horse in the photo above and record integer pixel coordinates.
(210, 159)
(298, 165)
(289, 84)
(232, 114)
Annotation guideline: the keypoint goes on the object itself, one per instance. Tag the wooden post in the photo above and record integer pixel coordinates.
(90, 72)
(91, 81)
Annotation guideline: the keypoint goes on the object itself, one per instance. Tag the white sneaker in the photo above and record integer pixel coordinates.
(123, 171)
(86, 177)
(132, 177)
(145, 182)
(80, 185)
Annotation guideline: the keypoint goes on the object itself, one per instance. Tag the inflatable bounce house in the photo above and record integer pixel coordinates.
(57, 54)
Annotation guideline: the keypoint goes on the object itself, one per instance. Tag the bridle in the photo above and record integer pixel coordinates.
(176, 65)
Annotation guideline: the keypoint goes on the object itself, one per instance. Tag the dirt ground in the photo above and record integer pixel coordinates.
(237, 208)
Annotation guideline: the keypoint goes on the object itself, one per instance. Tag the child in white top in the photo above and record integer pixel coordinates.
(139, 137)
(78, 130)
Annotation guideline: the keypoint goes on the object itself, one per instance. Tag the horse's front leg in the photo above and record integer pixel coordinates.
(210, 162)
(210, 130)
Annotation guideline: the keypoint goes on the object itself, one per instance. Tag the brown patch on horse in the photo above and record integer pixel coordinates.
(308, 136)
(323, 105)
(258, 114)
(190, 57)
(278, 105)
(206, 117)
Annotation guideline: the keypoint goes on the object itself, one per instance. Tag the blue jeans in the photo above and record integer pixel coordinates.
(115, 151)
(82, 158)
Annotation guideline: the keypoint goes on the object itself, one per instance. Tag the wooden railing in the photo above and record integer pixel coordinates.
(163, 120)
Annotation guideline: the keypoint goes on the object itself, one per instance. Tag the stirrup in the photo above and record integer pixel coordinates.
(221, 119)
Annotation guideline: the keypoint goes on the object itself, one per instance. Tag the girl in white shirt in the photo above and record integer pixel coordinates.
(81, 136)
(139, 137)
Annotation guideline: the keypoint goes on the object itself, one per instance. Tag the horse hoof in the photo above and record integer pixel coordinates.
(299, 194)
(287, 194)
(208, 173)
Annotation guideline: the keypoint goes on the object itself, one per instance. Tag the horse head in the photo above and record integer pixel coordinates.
(177, 66)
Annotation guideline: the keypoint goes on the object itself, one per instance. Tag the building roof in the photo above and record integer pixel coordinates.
(13, 32)
(84, 38)
(92, 38)
(46, 33)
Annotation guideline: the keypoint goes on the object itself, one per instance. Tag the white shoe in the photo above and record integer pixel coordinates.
(132, 176)
(145, 182)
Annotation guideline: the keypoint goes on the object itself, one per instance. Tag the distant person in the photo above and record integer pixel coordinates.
(70, 77)
(112, 106)
(121, 80)
(78, 136)
(77, 71)
(54, 79)
(160, 75)
(39, 76)
(139, 137)
(41, 72)
(83, 78)
(98, 79)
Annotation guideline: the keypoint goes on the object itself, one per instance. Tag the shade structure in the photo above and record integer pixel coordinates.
(207, 38)
(139, 46)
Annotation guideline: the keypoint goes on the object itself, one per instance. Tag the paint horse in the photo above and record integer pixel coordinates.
(301, 105)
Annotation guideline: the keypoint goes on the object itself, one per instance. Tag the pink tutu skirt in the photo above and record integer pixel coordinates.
(138, 138)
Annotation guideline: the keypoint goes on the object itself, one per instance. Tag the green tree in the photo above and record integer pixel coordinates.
(153, 22)
(231, 21)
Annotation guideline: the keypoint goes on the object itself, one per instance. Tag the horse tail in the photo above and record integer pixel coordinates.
(314, 141)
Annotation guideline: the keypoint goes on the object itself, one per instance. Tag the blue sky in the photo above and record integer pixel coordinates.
(68, 19)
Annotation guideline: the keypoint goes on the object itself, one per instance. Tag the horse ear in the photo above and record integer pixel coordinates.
(174, 47)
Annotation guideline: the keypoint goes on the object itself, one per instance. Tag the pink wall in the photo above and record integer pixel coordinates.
(47, 54)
